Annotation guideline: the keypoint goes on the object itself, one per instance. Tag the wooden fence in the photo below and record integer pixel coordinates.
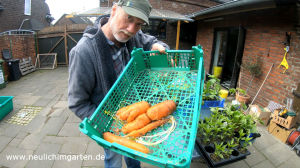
(60, 40)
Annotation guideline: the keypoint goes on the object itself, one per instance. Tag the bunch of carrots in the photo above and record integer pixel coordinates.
(141, 118)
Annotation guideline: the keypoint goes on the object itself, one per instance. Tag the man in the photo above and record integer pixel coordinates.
(101, 55)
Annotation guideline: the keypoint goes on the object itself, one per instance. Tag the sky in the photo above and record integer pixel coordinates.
(60, 7)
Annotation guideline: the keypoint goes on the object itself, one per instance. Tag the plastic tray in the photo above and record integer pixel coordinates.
(213, 103)
(177, 75)
(236, 156)
(6, 105)
(207, 104)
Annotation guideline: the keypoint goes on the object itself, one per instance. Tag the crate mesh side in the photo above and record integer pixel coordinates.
(177, 60)
(155, 87)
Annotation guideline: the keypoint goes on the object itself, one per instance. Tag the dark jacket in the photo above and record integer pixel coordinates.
(91, 72)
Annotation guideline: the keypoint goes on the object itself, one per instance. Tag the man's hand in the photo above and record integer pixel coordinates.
(159, 47)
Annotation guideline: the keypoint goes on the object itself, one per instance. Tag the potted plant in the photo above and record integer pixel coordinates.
(211, 89)
(240, 95)
(254, 68)
(210, 96)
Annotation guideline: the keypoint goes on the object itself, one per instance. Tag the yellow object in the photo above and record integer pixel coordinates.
(282, 113)
(284, 63)
(217, 71)
(223, 93)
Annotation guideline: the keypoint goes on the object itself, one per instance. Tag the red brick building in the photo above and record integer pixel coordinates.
(241, 33)
(13, 13)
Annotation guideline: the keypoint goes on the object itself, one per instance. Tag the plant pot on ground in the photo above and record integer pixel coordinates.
(240, 95)
(244, 99)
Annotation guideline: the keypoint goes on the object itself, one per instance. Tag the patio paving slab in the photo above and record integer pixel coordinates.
(22, 134)
(255, 157)
(97, 153)
(15, 142)
(264, 164)
(70, 130)
(71, 147)
(277, 153)
(266, 140)
(4, 142)
(45, 155)
(43, 101)
(35, 125)
(32, 141)
(14, 162)
(53, 125)
(67, 163)
(238, 164)
(293, 161)
(10, 130)
(55, 139)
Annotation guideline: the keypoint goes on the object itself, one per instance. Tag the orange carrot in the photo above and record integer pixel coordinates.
(140, 108)
(130, 112)
(161, 110)
(123, 115)
(125, 142)
(147, 128)
(121, 111)
(141, 121)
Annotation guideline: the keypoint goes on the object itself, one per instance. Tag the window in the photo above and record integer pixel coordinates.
(27, 7)
(156, 28)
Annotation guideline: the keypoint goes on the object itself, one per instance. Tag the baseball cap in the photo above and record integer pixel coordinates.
(137, 8)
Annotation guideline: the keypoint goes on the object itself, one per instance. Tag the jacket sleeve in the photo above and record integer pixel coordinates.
(146, 41)
(81, 82)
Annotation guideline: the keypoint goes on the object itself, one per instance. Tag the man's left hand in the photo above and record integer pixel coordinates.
(158, 47)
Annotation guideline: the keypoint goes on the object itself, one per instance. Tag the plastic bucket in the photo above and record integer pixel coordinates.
(223, 93)
(217, 71)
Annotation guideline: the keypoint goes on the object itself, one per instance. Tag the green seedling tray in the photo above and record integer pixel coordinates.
(154, 77)
(6, 105)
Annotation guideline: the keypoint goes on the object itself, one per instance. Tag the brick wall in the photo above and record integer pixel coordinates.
(21, 46)
(265, 34)
(13, 13)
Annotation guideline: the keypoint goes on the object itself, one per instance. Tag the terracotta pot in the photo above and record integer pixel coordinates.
(242, 99)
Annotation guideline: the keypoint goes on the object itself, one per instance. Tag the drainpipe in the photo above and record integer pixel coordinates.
(10, 47)
(22, 23)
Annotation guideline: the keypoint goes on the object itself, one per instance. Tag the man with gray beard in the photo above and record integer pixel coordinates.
(101, 55)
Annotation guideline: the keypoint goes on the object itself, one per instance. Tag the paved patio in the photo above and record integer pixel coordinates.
(54, 131)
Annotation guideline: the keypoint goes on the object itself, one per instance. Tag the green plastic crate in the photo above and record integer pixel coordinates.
(6, 105)
(152, 77)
